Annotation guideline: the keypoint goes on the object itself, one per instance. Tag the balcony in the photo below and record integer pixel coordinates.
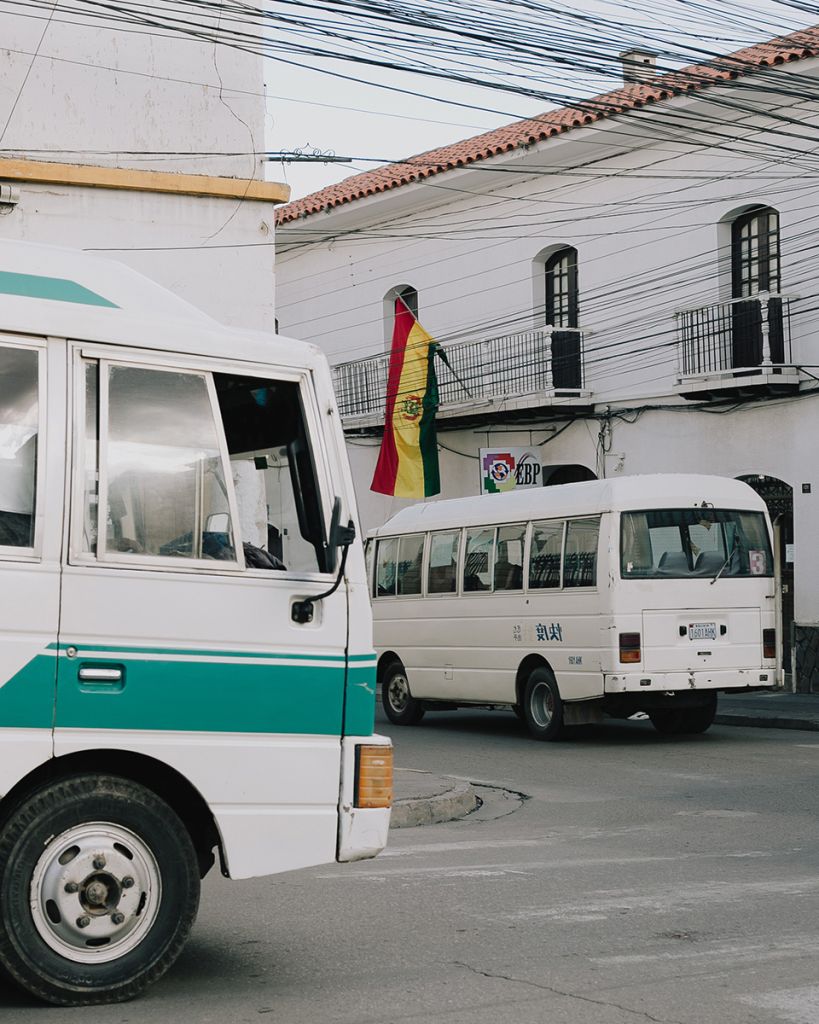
(737, 348)
(508, 376)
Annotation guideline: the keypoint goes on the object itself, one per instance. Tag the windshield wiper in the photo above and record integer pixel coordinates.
(724, 565)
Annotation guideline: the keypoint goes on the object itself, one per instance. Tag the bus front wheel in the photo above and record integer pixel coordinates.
(399, 705)
(98, 892)
(542, 706)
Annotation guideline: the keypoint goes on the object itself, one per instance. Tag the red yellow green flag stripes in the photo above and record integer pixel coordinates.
(408, 461)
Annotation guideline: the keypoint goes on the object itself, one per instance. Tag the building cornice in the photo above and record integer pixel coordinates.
(128, 180)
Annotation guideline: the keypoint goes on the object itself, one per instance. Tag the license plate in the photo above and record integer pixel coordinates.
(702, 631)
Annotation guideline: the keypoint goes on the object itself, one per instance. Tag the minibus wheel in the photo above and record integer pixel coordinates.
(399, 705)
(98, 893)
(542, 706)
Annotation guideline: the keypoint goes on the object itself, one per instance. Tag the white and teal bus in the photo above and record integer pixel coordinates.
(569, 603)
(186, 663)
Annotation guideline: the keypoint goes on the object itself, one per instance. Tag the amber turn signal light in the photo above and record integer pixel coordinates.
(630, 647)
(373, 776)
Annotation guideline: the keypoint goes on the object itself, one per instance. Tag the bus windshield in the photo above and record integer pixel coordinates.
(680, 543)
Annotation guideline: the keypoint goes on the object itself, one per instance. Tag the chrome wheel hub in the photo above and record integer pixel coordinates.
(398, 693)
(542, 705)
(95, 892)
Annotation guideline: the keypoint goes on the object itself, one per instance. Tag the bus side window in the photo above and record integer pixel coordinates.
(580, 558)
(163, 479)
(544, 558)
(386, 557)
(273, 473)
(443, 563)
(410, 554)
(480, 551)
(19, 417)
(509, 563)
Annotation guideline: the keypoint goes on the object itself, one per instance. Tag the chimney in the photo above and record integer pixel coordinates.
(638, 65)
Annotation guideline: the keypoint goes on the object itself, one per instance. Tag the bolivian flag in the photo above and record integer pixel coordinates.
(408, 461)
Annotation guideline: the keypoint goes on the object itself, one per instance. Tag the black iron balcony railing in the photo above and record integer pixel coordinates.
(544, 363)
(741, 336)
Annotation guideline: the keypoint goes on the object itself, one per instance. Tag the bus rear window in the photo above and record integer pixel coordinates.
(682, 543)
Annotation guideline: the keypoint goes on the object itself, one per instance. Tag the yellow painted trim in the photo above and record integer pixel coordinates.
(44, 173)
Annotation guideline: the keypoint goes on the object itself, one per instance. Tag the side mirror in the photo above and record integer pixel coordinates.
(339, 536)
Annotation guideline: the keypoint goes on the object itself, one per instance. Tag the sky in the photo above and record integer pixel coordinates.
(375, 120)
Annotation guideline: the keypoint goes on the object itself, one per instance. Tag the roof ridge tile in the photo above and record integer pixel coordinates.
(797, 45)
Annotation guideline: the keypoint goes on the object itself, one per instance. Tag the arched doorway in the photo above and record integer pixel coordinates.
(568, 474)
(778, 496)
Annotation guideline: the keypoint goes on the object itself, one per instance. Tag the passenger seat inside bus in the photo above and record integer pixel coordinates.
(674, 563)
(508, 575)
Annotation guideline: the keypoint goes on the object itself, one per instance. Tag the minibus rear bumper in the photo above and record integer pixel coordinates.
(366, 796)
(667, 682)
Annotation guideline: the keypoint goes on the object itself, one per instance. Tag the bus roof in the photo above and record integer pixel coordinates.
(67, 293)
(658, 490)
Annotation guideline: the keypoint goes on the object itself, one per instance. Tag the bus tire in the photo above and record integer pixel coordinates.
(684, 721)
(98, 892)
(542, 706)
(399, 704)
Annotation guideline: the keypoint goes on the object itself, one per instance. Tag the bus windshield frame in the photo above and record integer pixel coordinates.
(694, 543)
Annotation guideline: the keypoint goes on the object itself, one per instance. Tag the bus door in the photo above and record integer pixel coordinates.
(31, 500)
(198, 520)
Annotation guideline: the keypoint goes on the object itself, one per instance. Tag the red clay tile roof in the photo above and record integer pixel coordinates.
(782, 50)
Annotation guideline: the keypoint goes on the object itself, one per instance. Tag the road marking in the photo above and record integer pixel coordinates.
(529, 867)
(502, 844)
(718, 814)
(798, 1005)
(661, 899)
(797, 946)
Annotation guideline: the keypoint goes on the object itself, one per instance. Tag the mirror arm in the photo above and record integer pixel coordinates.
(303, 611)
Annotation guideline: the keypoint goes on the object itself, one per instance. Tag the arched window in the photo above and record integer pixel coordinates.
(561, 288)
(755, 269)
(755, 253)
(409, 296)
(560, 271)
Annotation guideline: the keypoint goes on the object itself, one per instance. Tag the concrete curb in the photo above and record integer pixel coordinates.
(760, 722)
(456, 800)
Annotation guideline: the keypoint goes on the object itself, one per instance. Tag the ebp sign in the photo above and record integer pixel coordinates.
(507, 469)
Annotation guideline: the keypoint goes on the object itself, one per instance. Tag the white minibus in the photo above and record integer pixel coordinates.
(636, 594)
(186, 662)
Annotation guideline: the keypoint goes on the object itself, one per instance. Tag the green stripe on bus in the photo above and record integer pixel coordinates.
(359, 712)
(194, 652)
(59, 289)
(27, 699)
(193, 696)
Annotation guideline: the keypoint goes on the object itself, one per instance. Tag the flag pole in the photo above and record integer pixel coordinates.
(439, 351)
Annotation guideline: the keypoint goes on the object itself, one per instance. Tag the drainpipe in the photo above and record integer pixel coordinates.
(778, 553)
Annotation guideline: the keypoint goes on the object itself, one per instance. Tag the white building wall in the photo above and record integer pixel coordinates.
(648, 244)
(103, 92)
(131, 97)
(651, 225)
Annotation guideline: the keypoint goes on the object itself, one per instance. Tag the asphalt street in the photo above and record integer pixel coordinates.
(617, 877)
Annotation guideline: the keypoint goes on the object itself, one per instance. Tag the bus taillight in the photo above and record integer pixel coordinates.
(630, 647)
(768, 643)
(373, 776)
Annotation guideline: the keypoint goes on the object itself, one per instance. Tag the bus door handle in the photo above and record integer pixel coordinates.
(101, 677)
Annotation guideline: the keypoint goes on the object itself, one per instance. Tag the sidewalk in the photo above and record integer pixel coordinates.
(770, 710)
